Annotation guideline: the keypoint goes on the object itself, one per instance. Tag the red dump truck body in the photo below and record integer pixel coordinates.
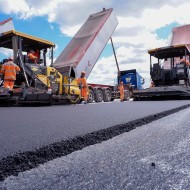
(83, 51)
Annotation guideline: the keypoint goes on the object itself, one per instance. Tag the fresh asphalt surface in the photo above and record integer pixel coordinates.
(151, 157)
(28, 128)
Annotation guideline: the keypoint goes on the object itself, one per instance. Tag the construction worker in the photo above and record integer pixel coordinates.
(83, 85)
(9, 70)
(152, 84)
(37, 54)
(182, 60)
(130, 87)
(121, 90)
(32, 56)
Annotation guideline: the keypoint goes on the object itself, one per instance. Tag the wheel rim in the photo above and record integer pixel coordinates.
(91, 96)
(108, 94)
(99, 96)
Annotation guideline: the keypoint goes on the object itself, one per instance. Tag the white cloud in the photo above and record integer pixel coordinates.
(6, 52)
(17, 7)
(70, 31)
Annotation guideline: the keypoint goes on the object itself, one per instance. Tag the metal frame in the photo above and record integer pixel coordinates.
(119, 74)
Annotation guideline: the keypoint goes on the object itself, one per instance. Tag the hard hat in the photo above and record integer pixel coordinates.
(83, 72)
(10, 58)
(31, 51)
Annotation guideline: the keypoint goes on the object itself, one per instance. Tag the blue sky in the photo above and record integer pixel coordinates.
(165, 32)
(40, 27)
(142, 25)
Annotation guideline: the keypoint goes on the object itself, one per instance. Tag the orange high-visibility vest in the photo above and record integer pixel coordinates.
(151, 85)
(32, 57)
(185, 61)
(121, 89)
(37, 55)
(83, 82)
(9, 70)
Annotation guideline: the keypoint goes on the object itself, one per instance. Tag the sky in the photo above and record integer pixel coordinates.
(143, 24)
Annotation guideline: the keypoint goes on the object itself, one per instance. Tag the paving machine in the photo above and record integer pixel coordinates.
(170, 74)
(37, 82)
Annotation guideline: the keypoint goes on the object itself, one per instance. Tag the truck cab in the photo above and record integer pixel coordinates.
(133, 78)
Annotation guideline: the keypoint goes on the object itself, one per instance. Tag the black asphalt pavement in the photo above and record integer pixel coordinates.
(153, 156)
(28, 128)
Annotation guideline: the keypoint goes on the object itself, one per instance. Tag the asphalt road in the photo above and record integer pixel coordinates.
(153, 156)
(28, 128)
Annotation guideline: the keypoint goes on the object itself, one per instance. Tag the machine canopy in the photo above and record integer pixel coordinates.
(170, 51)
(28, 42)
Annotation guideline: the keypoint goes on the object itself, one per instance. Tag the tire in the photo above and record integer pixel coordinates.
(107, 96)
(91, 96)
(79, 101)
(99, 96)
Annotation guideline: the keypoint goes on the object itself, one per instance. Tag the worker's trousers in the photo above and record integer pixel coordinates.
(121, 96)
(9, 84)
(84, 94)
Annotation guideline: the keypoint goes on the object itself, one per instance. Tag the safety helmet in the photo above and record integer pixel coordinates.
(10, 58)
(83, 72)
(31, 51)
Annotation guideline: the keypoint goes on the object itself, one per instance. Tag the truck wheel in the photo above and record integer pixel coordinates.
(99, 96)
(107, 96)
(91, 96)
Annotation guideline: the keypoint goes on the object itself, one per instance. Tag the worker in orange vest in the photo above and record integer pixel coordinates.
(152, 84)
(121, 90)
(37, 54)
(84, 87)
(9, 70)
(182, 60)
(31, 55)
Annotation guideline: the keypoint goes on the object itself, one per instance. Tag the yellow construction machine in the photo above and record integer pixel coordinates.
(37, 82)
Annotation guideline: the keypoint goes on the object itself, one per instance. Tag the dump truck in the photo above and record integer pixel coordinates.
(39, 83)
(83, 51)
